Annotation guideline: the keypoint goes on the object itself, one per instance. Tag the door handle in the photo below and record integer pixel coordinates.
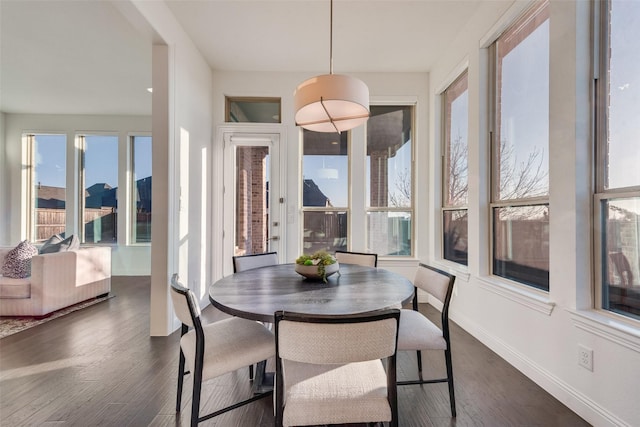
(273, 238)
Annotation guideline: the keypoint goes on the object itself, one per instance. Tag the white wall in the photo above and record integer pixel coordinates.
(126, 260)
(539, 333)
(182, 129)
(4, 178)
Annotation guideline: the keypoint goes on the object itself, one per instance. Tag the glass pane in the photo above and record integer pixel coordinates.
(325, 174)
(324, 231)
(389, 157)
(253, 110)
(101, 182)
(521, 244)
(141, 227)
(389, 233)
(624, 96)
(621, 290)
(523, 108)
(49, 185)
(252, 200)
(456, 99)
(456, 238)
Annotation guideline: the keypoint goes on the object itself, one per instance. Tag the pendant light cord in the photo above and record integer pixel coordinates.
(331, 39)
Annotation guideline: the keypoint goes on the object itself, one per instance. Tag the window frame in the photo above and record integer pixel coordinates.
(602, 194)
(132, 190)
(446, 207)
(347, 210)
(535, 15)
(80, 138)
(230, 100)
(412, 208)
(29, 139)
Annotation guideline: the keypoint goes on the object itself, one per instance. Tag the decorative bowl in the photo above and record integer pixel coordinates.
(311, 271)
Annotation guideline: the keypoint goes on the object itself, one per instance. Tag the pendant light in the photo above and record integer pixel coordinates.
(331, 102)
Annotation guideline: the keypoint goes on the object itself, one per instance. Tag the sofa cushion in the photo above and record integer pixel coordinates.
(15, 288)
(17, 262)
(56, 238)
(57, 244)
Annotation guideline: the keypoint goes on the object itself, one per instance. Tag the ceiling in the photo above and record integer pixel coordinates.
(86, 57)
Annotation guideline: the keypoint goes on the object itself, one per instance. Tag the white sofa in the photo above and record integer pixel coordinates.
(57, 280)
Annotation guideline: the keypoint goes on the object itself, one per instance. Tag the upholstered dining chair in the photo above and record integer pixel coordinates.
(329, 368)
(419, 333)
(247, 262)
(215, 349)
(359, 258)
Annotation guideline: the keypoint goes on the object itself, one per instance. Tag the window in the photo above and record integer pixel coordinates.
(252, 110)
(100, 182)
(390, 180)
(325, 197)
(47, 185)
(455, 178)
(617, 199)
(141, 189)
(520, 141)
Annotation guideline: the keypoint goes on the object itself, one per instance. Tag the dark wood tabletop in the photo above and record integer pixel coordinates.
(256, 294)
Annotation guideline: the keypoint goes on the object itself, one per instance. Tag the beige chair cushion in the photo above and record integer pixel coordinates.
(230, 344)
(419, 333)
(335, 394)
(358, 259)
(336, 343)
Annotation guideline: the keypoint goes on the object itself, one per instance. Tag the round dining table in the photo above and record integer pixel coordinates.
(258, 293)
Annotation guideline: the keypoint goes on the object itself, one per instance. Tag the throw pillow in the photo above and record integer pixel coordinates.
(49, 246)
(69, 244)
(17, 262)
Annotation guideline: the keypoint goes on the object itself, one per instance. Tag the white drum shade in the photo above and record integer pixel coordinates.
(331, 102)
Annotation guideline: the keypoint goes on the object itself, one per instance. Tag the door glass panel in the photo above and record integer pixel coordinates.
(252, 200)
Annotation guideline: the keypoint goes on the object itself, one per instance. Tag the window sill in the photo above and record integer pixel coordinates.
(621, 332)
(530, 298)
(460, 271)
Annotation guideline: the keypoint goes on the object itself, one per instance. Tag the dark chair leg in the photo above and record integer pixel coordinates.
(250, 372)
(419, 354)
(452, 397)
(195, 400)
(180, 381)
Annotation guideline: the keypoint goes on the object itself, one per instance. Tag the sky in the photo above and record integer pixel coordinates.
(624, 151)
(101, 159)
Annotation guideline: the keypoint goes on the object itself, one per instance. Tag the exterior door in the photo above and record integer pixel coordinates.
(252, 188)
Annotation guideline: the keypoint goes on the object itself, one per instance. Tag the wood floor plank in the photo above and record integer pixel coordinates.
(99, 367)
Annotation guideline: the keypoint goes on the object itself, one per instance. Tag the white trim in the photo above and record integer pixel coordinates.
(460, 271)
(530, 298)
(396, 100)
(453, 75)
(605, 326)
(583, 405)
(514, 12)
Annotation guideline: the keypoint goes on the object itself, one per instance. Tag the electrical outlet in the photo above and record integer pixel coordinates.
(585, 357)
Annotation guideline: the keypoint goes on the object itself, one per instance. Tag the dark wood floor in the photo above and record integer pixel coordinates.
(98, 366)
